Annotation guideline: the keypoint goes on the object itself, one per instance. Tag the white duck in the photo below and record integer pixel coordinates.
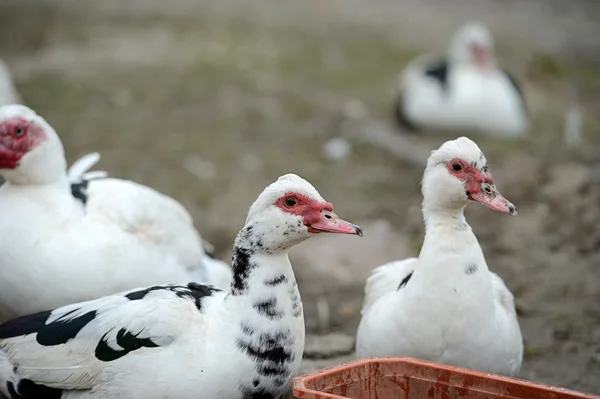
(446, 306)
(466, 91)
(182, 341)
(69, 238)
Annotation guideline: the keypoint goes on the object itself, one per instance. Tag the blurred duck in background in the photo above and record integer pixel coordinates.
(466, 91)
(8, 92)
(446, 305)
(78, 235)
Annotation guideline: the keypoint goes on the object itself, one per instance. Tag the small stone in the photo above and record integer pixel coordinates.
(328, 346)
(337, 148)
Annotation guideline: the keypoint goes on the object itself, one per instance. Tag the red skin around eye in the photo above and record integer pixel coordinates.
(470, 175)
(308, 208)
(13, 146)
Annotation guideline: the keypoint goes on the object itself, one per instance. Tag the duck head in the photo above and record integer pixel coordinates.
(30, 150)
(457, 174)
(290, 211)
(473, 45)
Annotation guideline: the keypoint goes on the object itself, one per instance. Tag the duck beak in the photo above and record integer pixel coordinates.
(329, 222)
(490, 197)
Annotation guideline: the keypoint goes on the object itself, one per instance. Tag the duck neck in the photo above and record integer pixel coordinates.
(446, 230)
(256, 269)
(265, 295)
(38, 180)
(46, 166)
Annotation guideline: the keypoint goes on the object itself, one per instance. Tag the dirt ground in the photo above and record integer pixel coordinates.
(210, 101)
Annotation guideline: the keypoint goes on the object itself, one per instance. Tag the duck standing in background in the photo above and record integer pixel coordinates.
(183, 341)
(446, 305)
(72, 237)
(465, 91)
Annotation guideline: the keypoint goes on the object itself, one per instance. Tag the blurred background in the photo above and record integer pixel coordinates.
(209, 101)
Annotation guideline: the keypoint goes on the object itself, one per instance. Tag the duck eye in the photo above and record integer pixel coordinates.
(456, 167)
(19, 132)
(290, 201)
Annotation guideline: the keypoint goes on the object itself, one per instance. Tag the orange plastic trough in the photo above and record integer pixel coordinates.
(407, 378)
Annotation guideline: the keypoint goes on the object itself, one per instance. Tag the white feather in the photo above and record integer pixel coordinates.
(385, 279)
(80, 169)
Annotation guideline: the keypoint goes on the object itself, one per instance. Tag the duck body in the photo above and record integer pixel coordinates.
(444, 306)
(451, 310)
(71, 237)
(464, 91)
(218, 354)
(182, 341)
(467, 100)
(124, 234)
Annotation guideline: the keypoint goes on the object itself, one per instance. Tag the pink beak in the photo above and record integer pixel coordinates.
(329, 222)
(490, 197)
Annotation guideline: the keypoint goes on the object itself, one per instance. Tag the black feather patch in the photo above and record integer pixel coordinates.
(275, 281)
(125, 340)
(514, 83)
(405, 281)
(268, 309)
(296, 302)
(249, 392)
(241, 267)
(58, 332)
(24, 325)
(193, 291)
(272, 353)
(28, 389)
(471, 269)
(439, 72)
(79, 191)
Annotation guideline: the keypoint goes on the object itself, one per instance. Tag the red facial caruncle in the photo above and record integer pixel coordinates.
(317, 216)
(17, 137)
(479, 186)
(482, 56)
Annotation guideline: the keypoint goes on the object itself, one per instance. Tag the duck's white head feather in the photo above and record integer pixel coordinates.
(30, 150)
(457, 173)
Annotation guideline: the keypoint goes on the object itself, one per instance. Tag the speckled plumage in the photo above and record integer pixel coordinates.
(176, 341)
